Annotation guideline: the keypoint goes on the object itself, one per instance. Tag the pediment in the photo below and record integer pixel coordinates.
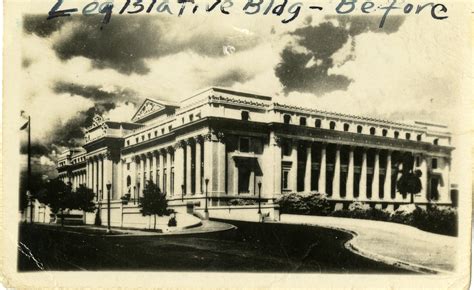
(148, 107)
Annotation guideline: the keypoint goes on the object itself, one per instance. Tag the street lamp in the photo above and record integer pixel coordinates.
(259, 195)
(30, 201)
(205, 207)
(109, 186)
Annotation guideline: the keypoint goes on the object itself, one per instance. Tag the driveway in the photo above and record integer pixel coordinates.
(395, 244)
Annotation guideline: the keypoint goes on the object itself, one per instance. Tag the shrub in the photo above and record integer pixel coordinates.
(241, 201)
(172, 222)
(314, 204)
(437, 220)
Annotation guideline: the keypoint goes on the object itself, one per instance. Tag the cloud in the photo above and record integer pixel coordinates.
(307, 61)
(127, 42)
(97, 93)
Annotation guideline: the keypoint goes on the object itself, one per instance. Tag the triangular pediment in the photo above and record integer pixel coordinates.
(147, 108)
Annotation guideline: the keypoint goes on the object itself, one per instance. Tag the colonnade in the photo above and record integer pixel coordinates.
(351, 181)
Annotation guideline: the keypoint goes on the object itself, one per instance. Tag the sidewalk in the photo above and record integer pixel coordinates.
(205, 227)
(395, 244)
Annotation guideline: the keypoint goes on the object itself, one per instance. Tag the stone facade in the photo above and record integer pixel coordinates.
(232, 144)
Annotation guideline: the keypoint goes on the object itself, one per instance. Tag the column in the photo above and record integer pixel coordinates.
(178, 169)
(350, 175)
(95, 188)
(363, 176)
(221, 163)
(118, 192)
(142, 175)
(207, 168)
(307, 174)
(375, 179)
(159, 181)
(444, 193)
(198, 166)
(188, 167)
(133, 177)
(424, 178)
(154, 167)
(387, 186)
(148, 160)
(294, 166)
(322, 170)
(168, 172)
(100, 181)
(107, 177)
(336, 181)
(276, 163)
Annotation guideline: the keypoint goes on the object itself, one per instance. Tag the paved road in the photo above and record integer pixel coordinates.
(252, 247)
(392, 243)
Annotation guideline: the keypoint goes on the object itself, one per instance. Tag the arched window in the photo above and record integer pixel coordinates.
(436, 141)
(418, 137)
(245, 115)
(303, 121)
(384, 132)
(317, 123)
(372, 131)
(407, 136)
(396, 134)
(346, 127)
(359, 129)
(332, 125)
(286, 119)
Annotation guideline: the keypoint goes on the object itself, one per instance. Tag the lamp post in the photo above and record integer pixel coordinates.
(205, 203)
(259, 195)
(109, 186)
(30, 201)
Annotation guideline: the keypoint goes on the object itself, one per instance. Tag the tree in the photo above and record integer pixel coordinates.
(82, 199)
(410, 181)
(57, 195)
(153, 201)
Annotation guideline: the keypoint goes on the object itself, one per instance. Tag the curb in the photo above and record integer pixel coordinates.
(377, 257)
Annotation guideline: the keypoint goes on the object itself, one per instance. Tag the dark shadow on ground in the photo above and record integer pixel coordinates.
(252, 247)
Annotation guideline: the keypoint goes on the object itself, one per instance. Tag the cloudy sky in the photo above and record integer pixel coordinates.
(72, 69)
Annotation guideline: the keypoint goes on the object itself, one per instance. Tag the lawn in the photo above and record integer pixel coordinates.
(252, 247)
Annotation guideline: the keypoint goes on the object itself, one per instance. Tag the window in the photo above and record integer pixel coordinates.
(303, 121)
(169, 128)
(162, 130)
(284, 180)
(128, 166)
(149, 136)
(143, 137)
(396, 134)
(434, 163)
(418, 161)
(136, 140)
(286, 119)
(359, 129)
(317, 123)
(286, 147)
(245, 115)
(384, 132)
(332, 125)
(407, 136)
(182, 120)
(191, 117)
(244, 144)
(372, 131)
(244, 179)
(436, 141)
(156, 133)
(346, 127)
(418, 137)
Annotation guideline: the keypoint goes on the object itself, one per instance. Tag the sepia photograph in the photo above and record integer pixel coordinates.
(276, 139)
